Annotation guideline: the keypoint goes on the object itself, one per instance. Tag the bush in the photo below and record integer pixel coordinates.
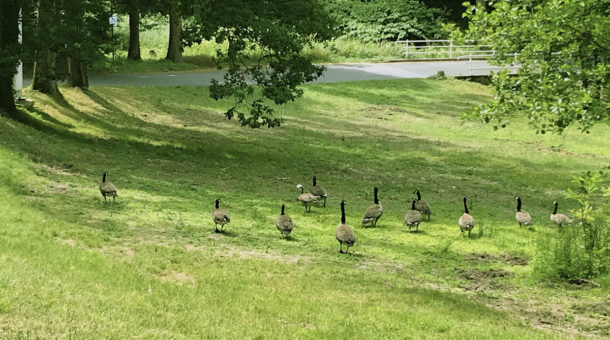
(582, 250)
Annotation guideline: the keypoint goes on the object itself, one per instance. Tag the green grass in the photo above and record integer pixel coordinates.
(151, 266)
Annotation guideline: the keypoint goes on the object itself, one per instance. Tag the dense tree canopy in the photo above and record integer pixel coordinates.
(380, 20)
(563, 51)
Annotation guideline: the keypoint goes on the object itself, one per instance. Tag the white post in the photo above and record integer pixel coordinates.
(18, 80)
(450, 49)
(407, 49)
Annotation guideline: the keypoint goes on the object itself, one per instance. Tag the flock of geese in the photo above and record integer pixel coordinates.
(344, 233)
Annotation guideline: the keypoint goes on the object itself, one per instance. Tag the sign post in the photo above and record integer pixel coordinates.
(113, 21)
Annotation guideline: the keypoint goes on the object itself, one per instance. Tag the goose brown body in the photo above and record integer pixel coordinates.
(466, 222)
(306, 198)
(422, 205)
(522, 216)
(220, 216)
(344, 233)
(107, 188)
(374, 212)
(559, 219)
(284, 223)
(318, 191)
(413, 217)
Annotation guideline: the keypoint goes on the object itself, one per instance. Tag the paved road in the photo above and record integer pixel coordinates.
(334, 73)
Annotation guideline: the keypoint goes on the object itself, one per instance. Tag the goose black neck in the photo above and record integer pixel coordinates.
(465, 206)
(104, 178)
(301, 189)
(314, 181)
(418, 195)
(376, 199)
(282, 209)
(555, 210)
(342, 212)
(518, 203)
(217, 204)
(413, 205)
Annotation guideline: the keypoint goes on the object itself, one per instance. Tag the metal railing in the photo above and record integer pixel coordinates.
(513, 68)
(443, 49)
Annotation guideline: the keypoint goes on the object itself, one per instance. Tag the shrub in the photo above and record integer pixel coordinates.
(580, 251)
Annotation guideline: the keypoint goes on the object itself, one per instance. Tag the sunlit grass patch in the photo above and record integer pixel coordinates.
(152, 266)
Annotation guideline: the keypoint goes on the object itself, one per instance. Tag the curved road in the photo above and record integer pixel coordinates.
(334, 73)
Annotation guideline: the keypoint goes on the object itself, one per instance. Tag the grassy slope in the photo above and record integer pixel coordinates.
(152, 266)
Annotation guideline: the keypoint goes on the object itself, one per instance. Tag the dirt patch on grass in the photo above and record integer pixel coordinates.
(385, 112)
(241, 253)
(572, 316)
(58, 187)
(513, 260)
(177, 277)
(482, 280)
(381, 266)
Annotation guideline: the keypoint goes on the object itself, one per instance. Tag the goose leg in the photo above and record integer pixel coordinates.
(347, 249)
(341, 248)
(216, 228)
(324, 202)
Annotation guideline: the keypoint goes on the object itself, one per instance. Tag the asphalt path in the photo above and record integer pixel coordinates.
(334, 73)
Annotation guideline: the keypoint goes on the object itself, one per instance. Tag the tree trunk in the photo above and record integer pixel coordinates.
(9, 33)
(45, 78)
(174, 49)
(134, 30)
(77, 73)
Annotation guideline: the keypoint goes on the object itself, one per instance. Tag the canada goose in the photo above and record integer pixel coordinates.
(318, 191)
(466, 221)
(284, 223)
(559, 219)
(220, 216)
(413, 217)
(344, 233)
(421, 205)
(306, 198)
(374, 212)
(107, 188)
(522, 217)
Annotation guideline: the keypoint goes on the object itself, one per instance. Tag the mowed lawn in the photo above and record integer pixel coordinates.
(151, 266)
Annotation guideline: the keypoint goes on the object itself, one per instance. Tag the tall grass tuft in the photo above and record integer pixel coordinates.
(580, 251)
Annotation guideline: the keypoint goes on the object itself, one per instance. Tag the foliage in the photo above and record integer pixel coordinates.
(387, 20)
(582, 250)
(563, 48)
(281, 30)
(83, 32)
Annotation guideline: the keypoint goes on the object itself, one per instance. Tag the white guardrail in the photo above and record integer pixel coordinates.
(512, 67)
(446, 49)
(443, 49)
